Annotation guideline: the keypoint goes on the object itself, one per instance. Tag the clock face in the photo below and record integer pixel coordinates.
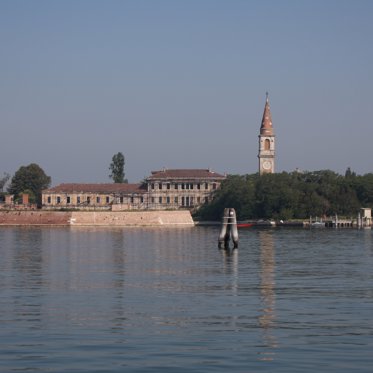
(267, 165)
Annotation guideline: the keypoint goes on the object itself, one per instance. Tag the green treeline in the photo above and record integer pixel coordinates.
(295, 195)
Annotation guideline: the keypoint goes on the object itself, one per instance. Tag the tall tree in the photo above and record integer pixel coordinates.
(117, 168)
(32, 178)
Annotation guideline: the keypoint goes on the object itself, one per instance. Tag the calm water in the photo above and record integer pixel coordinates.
(166, 300)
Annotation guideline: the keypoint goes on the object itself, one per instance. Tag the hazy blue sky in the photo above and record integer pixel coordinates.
(181, 84)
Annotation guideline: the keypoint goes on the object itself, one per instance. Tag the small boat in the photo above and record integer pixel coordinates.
(265, 223)
(244, 225)
(317, 224)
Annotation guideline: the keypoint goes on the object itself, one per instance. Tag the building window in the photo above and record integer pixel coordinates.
(176, 186)
(68, 199)
(160, 186)
(78, 199)
(153, 200)
(152, 185)
(182, 186)
(168, 200)
(58, 199)
(176, 200)
(191, 186)
(142, 199)
(49, 199)
(160, 199)
(267, 144)
(198, 200)
(214, 186)
(132, 199)
(98, 199)
(198, 186)
(88, 200)
(191, 201)
(107, 199)
(186, 201)
(168, 185)
(121, 199)
(206, 186)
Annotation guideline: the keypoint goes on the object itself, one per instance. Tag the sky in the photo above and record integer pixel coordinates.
(182, 84)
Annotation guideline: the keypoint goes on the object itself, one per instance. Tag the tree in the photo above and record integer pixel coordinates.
(4, 180)
(364, 190)
(237, 192)
(291, 195)
(32, 178)
(349, 173)
(117, 168)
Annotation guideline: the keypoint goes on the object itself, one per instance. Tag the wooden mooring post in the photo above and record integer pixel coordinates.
(229, 229)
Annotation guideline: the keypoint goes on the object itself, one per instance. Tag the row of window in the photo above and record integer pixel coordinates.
(78, 200)
(185, 201)
(188, 186)
(89, 200)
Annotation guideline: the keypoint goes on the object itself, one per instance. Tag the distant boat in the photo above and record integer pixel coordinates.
(317, 224)
(244, 225)
(265, 223)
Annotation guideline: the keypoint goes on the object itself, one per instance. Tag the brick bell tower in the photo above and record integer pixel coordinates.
(266, 153)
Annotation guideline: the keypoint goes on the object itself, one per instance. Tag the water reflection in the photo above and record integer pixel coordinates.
(28, 264)
(230, 266)
(267, 292)
(113, 299)
(28, 257)
(368, 239)
(118, 251)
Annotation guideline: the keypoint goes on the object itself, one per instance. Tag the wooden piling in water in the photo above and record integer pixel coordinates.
(229, 229)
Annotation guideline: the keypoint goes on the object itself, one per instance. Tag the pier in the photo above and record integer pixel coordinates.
(340, 223)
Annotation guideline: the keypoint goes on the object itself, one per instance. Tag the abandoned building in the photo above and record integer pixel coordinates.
(164, 189)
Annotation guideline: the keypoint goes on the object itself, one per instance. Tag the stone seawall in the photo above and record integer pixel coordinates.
(96, 218)
(36, 217)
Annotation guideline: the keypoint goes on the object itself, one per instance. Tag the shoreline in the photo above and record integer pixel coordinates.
(147, 218)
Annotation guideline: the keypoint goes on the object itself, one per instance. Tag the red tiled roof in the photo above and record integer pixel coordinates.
(185, 174)
(97, 188)
(199, 174)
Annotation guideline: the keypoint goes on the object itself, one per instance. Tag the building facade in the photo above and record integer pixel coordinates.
(94, 196)
(165, 189)
(266, 153)
(182, 188)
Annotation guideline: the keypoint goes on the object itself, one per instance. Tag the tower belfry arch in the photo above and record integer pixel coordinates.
(267, 147)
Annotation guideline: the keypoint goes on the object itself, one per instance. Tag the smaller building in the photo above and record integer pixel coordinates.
(164, 189)
(365, 218)
(7, 202)
(94, 196)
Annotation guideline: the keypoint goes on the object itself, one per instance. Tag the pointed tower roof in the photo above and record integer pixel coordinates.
(266, 127)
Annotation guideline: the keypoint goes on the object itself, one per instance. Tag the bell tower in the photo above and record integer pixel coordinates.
(266, 153)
